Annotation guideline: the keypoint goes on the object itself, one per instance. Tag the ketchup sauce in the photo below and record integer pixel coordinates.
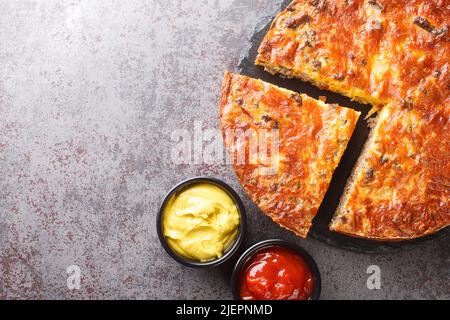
(276, 273)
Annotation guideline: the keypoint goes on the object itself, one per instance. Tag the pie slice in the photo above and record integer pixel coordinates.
(400, 188)
(284, 147)
(373, 51)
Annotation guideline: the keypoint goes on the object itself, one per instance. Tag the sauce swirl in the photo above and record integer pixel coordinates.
(200, 222)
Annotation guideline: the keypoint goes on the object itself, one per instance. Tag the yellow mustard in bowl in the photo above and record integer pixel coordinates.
(200, 222)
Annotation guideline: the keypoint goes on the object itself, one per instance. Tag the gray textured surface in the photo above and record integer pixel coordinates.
(90, 92)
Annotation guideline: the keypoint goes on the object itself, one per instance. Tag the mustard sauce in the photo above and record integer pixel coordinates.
(200, 222)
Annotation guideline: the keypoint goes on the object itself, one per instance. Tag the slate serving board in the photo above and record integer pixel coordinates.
(320, 229)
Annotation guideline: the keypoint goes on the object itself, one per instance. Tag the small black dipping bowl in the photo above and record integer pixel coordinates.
(230, 251)
(250, 252)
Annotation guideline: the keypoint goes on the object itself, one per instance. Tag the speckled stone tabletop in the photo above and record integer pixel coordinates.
(91, 93)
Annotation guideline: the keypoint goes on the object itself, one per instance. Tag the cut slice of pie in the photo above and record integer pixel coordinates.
(284, 147)
(400, 188)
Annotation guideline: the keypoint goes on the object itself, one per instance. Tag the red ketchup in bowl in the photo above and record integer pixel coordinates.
(276, 273)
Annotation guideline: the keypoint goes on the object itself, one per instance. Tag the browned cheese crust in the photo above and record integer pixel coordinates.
(401, 187)
(395, 55)
(290, 183)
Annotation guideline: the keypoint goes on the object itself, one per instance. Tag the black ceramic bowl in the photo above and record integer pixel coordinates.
(250, 252)
(230, 251)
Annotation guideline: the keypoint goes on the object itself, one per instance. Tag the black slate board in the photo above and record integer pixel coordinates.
(320, 229)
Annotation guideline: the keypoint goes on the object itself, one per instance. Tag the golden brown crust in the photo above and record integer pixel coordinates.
(312, 137)
(380, 52)
(401, 187)
(372, 51)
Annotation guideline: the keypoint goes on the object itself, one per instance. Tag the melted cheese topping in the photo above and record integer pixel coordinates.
(311, 138)
(402, 186)
(372, 51)
(393, 53)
